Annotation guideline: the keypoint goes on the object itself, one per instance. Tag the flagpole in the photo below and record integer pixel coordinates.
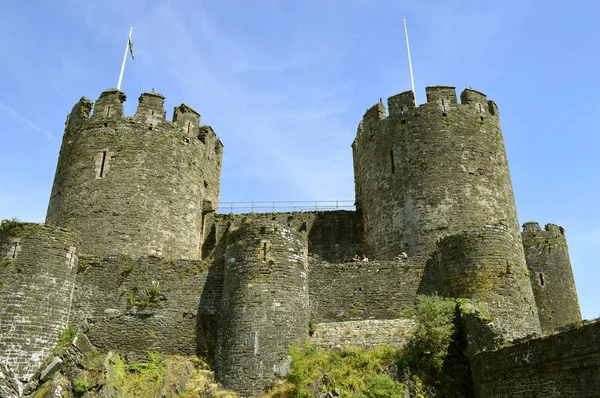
(124, 59)
(412, 82)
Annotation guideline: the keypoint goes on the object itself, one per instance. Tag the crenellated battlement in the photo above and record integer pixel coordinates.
(400, 103)
(473, 104)
(150, 113)
(550, 230)
(444, 96)
(187, 119)
(151, 109)
(109, 105)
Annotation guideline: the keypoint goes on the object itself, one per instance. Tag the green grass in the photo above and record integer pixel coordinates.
(356, 372)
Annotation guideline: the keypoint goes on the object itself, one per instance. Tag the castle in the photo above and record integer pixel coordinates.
(134, 253)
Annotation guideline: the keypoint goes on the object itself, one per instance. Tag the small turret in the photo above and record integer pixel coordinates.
(551, 275)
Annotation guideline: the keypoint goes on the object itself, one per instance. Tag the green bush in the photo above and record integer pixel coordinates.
(382, 386)
(435, 317)
(81, 386)
(67, 335)
(356, 372)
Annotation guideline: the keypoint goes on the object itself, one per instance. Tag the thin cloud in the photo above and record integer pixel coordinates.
(28, 124)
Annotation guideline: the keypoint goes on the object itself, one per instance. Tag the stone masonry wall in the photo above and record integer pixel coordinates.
(551, 276)
(357, 291)
(37, 272)
(133, 306)
(429, 171)
(488, 266)
(265, 304)
(560, 365)
(331, 235)
(136, 185)
(362, 334)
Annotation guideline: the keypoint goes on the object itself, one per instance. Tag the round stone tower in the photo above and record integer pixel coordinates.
(487, 265)
(136, 185)
(551, 275)
(265, 305)
(425, 172)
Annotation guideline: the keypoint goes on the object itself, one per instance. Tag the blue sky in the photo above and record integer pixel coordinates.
(284, 84)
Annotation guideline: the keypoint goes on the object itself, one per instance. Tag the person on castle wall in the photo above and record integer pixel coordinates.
(365, 259)
(356, 259)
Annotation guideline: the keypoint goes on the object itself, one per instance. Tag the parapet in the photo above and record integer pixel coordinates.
(400, 103)
(376, 112)
(444, 95)
(109, 105)
(534, 229)
(79, 114)
(187, 118)
(151, 109)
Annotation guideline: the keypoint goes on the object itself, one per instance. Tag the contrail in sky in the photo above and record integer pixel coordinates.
(23, 121)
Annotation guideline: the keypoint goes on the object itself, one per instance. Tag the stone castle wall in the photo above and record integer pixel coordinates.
(425, 172)
(488, 266)
(158, 270)
(551, 275)
(148, 304)
(264, 308)
(561, 365)
(357, 291)
(136, 185)
(37, 279)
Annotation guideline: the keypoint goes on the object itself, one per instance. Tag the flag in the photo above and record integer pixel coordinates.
(131, 48)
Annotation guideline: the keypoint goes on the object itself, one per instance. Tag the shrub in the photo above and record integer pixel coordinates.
(67, 335)
(356, 372)
(435, 316)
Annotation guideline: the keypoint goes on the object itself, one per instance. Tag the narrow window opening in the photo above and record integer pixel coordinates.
(15, 250)
(102, 164)
(189, 128)
(152, 119)
(264, 251)
(303, 227)
(205, 184)
(105, 124)
(481, 118)
(402, 109)
(392, 161)
(443, 105)
(444, 114)
(480, 109)
(108, 111)
(360, 289)
(541, 279)
(403, 121)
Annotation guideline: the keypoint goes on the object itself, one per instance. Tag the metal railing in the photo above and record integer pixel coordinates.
(285, 206)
